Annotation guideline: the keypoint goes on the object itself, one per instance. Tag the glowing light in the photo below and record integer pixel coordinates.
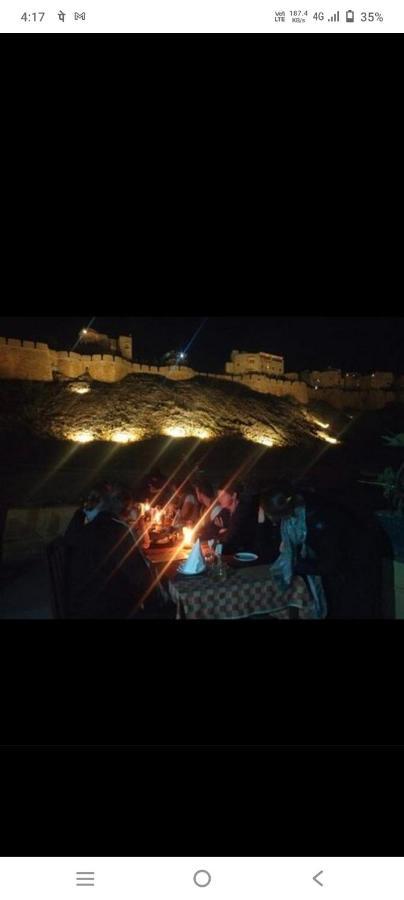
(326, 437)
(175, 432)
(189, 537)
(321, 424)
(82, 437)
(258, 437)
(79, 388)
(181, 431)
(202, 433)
(123, 437)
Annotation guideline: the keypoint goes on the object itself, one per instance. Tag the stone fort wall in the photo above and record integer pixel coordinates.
(30, 361)
(25, 360)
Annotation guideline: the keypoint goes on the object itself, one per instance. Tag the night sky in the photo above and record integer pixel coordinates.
(351, 343)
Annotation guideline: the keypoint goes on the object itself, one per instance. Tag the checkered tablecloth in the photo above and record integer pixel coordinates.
(246, 593)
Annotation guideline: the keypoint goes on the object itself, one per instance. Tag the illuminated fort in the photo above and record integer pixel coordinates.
(98, 357)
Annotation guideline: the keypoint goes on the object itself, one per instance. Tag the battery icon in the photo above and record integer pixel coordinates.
(350, 15)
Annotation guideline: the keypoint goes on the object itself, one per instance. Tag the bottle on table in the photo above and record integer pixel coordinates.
(221, 568)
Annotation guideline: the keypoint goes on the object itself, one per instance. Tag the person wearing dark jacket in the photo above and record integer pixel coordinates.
(336, 549)
(88, 512)
(108, 576)
(268, 539)
(241, 533)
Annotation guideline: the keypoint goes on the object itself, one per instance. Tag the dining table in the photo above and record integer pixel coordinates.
(234, 591)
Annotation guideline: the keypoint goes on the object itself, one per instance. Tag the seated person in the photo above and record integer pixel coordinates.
(135, 516)
(212, 517)
(241, 531)
(152, 486)
(89, 511)
(109, 578)
(138, 525)
(329, 547)
(268, 539)
(187, 504)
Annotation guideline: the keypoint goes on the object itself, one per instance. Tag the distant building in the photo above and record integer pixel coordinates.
(329, 378)
(93, 341)
(375, 381)
(243, 363)
(381, 380)
(349, 381)
(352, 381)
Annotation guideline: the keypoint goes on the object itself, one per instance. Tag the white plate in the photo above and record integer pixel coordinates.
(246, 557)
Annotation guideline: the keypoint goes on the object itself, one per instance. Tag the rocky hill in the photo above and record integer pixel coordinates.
(147, 406)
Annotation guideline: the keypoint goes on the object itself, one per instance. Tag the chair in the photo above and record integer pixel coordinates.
(57, 556)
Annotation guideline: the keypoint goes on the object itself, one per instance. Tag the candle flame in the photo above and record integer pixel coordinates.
(188, 537)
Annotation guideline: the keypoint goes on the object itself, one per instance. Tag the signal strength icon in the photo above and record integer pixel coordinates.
(334, 18)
